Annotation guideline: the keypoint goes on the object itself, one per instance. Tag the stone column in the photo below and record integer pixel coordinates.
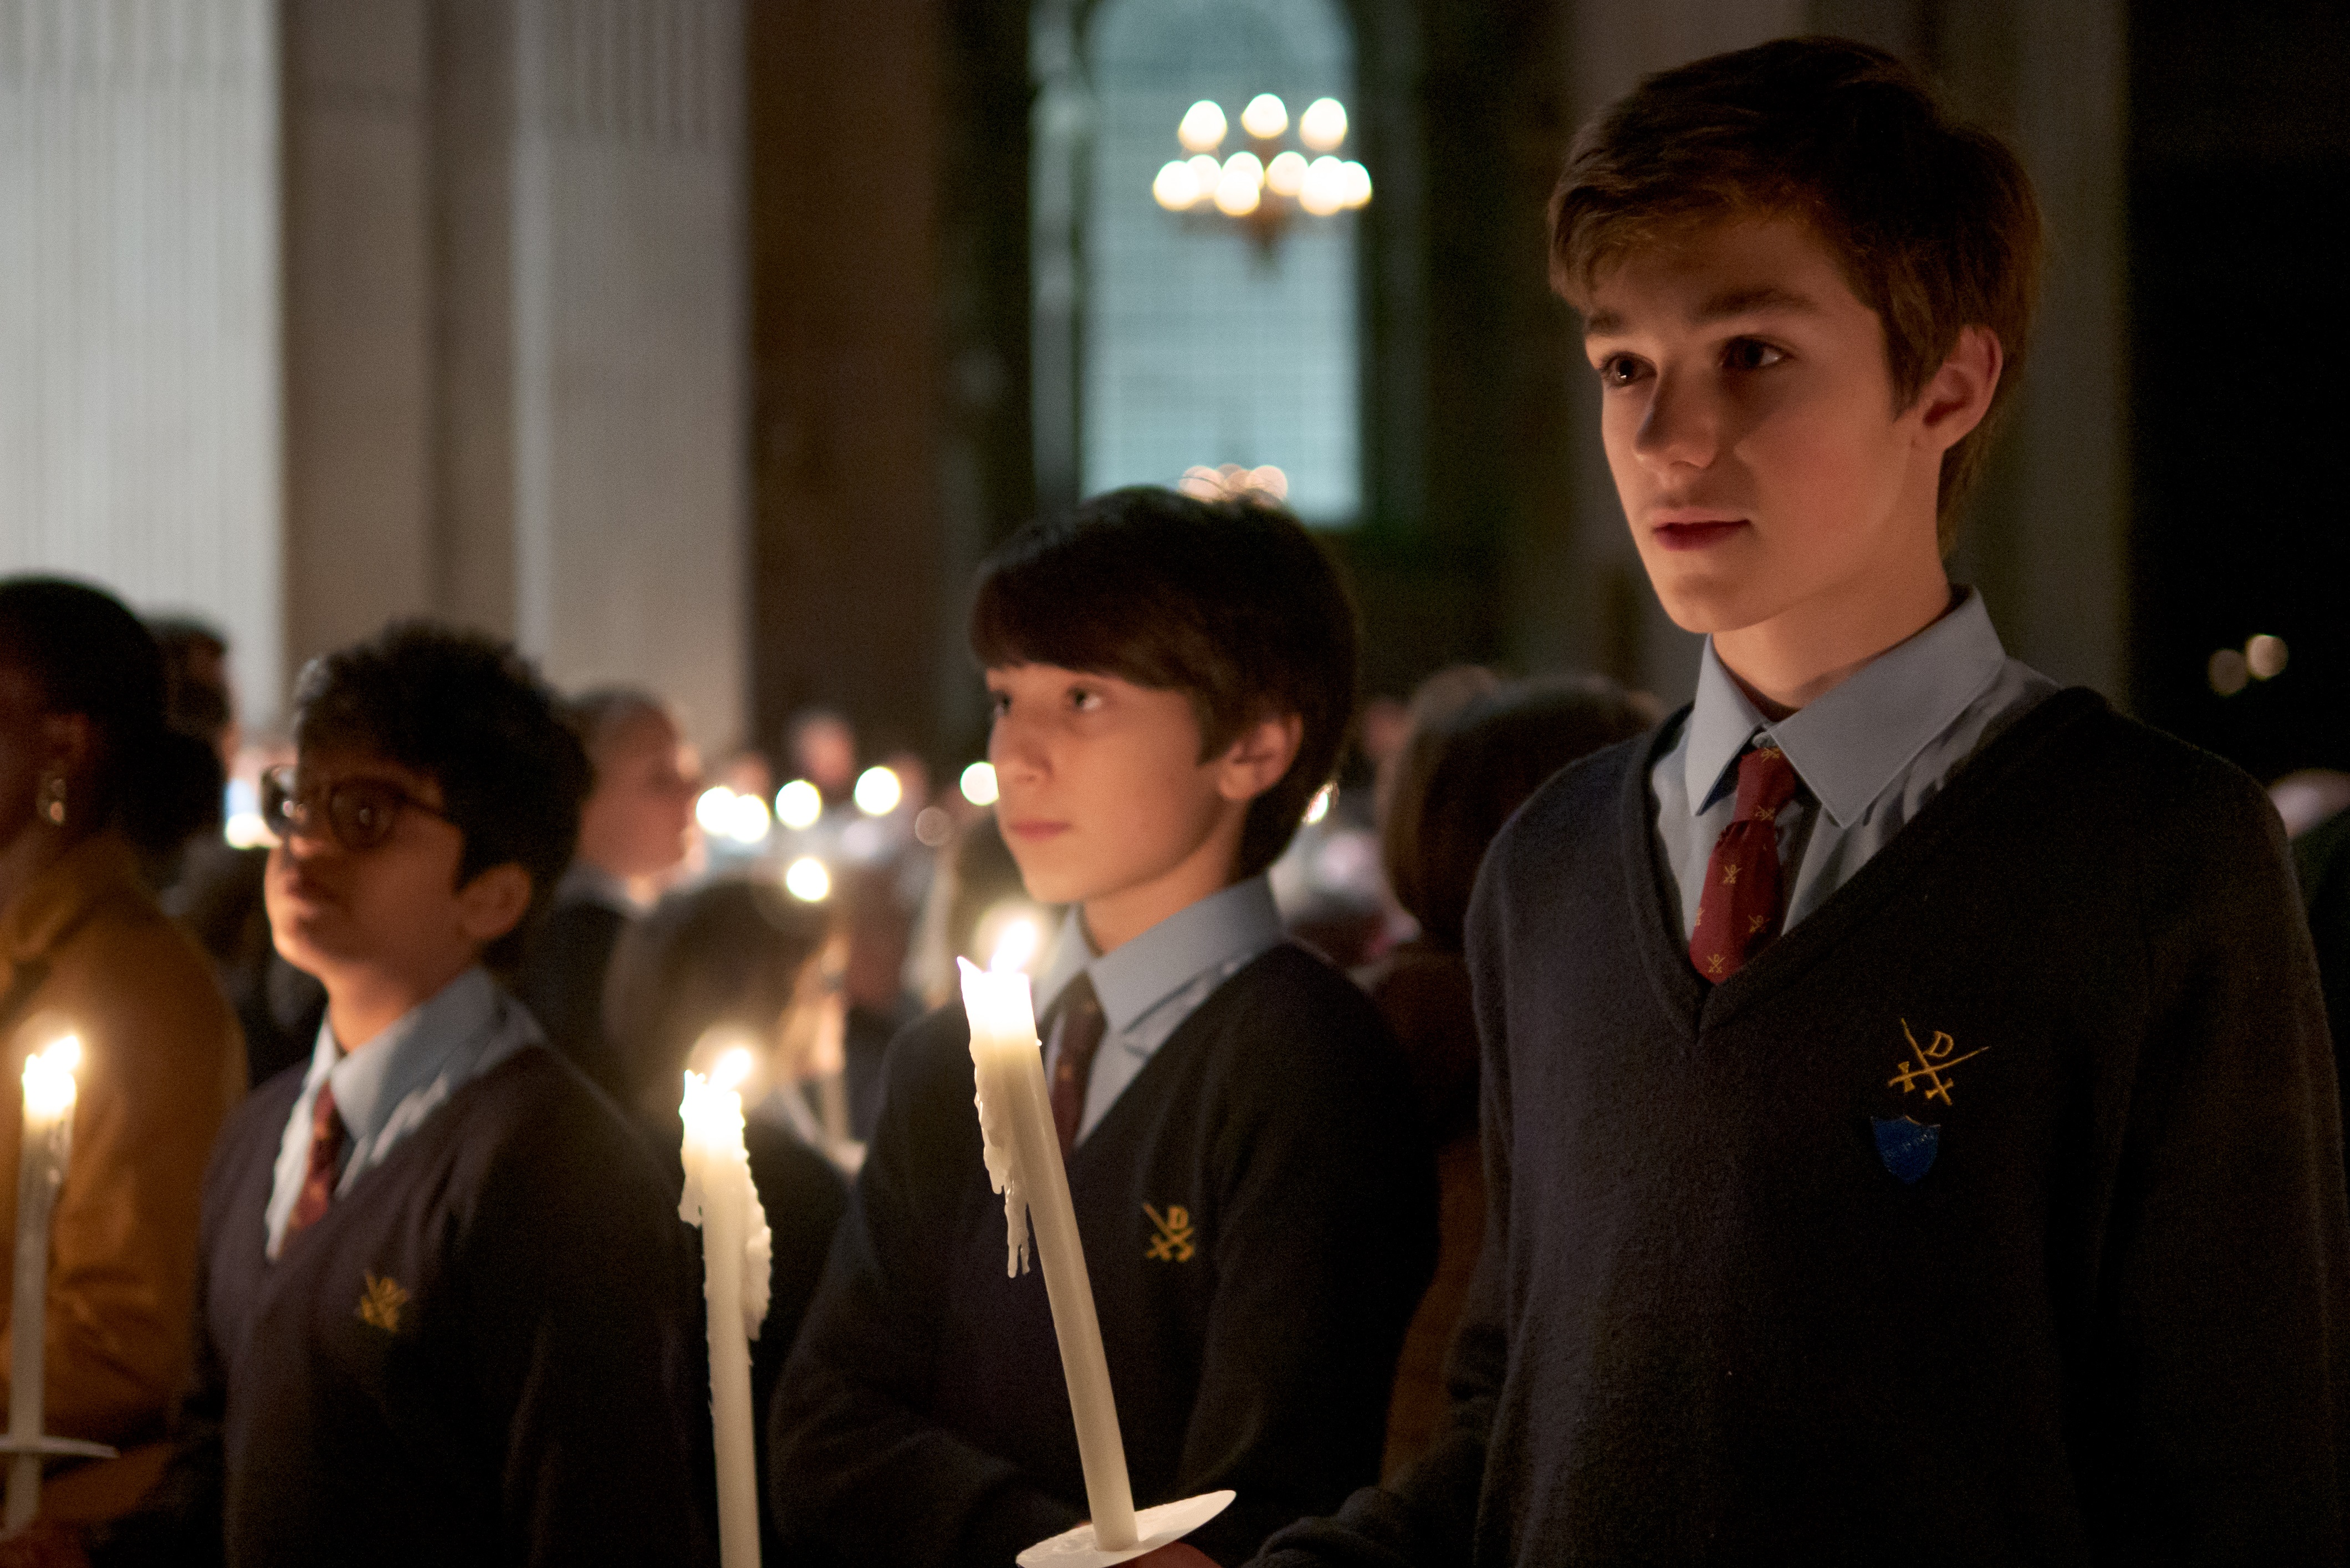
(139, 324)
(630, 557)
(516, 329)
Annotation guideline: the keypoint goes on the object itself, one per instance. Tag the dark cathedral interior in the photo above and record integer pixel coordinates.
(1306, 782)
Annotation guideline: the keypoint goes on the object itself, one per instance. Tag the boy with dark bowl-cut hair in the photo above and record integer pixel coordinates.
(1911, 1127)
(1172, 679)
(443, 1310)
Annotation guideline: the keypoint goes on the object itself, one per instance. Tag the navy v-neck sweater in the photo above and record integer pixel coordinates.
(1762, 1283)
(1258, 1212)
(486, 1351)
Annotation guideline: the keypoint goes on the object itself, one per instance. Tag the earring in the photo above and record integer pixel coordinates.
(53, 799)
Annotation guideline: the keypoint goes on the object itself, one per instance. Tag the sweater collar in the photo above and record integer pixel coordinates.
(1852, 743)
(1235, 922)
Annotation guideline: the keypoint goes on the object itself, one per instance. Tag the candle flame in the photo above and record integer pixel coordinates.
(49, 1087)
(732, 1069)
(1018, 944)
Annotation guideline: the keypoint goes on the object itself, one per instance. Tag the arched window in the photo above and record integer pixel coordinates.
(1199, 345)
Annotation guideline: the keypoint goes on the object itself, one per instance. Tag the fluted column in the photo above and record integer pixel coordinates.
(516, 334)
(628, 427)
(139, 307)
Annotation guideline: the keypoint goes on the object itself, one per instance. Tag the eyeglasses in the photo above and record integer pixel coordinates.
(359, 812)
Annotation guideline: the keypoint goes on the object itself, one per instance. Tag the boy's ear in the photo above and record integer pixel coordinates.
(1258, 756)
(492, 903)
(1957, 397)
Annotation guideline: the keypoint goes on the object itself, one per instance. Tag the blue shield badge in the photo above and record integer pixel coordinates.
(1907, 1148)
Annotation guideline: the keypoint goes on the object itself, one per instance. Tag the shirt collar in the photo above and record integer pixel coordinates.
(1853, 741)
(413, 1051)
(1237, 922)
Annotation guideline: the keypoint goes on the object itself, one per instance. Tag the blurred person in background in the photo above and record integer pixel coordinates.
(726, 964)
(822, 748)
(199, 699)
(90, 778)
(2315, 805)
(216, 893)
(1478, 747)
(879, 932)
(634, 831)
(196, 704)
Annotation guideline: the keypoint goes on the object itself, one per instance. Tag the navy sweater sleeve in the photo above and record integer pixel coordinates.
(574, 1267)
(2222, 1276)
(1326, 1244)
(858, 1472)
(1426, 1518)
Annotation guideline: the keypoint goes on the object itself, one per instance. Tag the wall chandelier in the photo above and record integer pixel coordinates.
(1264, 186)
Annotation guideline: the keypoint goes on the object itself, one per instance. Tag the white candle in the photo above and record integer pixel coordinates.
(49, 1094)
(1023, 1162)
(720, 1198)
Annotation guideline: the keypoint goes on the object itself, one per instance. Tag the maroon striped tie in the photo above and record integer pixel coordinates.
(1082, 1026)
(328, 1137)
(1740, 911)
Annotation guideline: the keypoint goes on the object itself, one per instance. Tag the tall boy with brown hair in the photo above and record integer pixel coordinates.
(1172, 679)
(1910, 1126)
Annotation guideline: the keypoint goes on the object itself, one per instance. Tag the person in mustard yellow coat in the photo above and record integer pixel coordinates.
(89, 778)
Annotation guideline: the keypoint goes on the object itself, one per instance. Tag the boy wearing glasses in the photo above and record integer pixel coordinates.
(438, 1312)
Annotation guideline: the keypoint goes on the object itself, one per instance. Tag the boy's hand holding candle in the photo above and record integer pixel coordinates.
(1023, 1163)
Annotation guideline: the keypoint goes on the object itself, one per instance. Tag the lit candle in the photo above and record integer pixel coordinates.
(735, 1244)
(1023, 1163)
(49, 1093)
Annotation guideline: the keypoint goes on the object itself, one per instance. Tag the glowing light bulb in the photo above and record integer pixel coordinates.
(799, 804)
(1240, 188)
(879, 791)
(746, 820)
(1176, 187)
(1205, 172)
(807, 880)
(1202, 129)
(1325, 190)
(1322, 125)
(2265, 656)
(2227, 671)
(1285, 175)
(978, 784)
(1358, 185)
(715, 809)
(1266, 117)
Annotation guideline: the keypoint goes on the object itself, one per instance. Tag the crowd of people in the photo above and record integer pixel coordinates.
(1726, 1131)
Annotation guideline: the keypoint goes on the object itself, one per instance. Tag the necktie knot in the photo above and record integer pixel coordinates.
(1766, 781)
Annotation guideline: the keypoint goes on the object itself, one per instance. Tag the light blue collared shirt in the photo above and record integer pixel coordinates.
(1148, 986)
(1870, 754)
(386, 1090)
